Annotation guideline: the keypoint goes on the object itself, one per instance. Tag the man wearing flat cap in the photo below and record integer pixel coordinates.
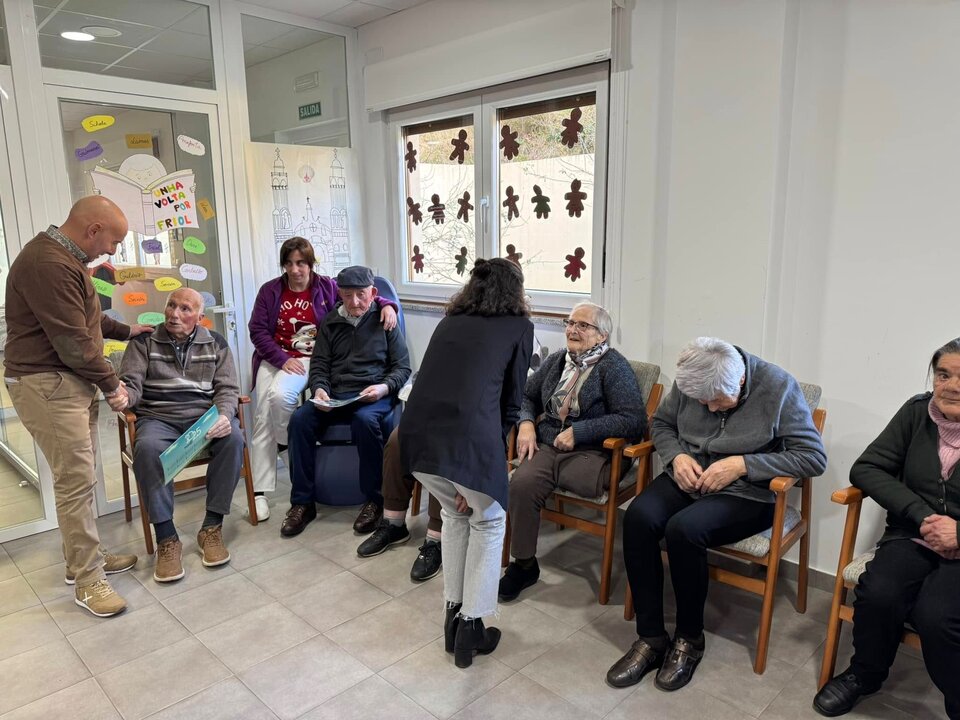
(353, 355)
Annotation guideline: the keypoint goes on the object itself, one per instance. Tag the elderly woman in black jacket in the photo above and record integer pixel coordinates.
(579, 397)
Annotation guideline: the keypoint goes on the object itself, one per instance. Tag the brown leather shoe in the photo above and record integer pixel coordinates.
(679, 665)
(640, 659)
(368, 518)
(210, 542)
(298, 517)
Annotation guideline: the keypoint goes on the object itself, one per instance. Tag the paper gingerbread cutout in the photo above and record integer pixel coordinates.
(460, 146)
(513, 255)
(541, 203)
(413, 210)
(461, 261)
(509, 144)
(511, 203)
(575, 199)
(465, 207)
(436, 209)
(411, 157)
(417, 259)
(571, 129)
(572, 269)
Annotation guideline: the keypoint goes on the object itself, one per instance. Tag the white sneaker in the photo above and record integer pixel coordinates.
(263, 508)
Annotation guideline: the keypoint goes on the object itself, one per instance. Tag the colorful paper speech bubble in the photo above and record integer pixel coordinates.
(193, 272)
(135, 298)
(167, 284)
(113, 315)
(207, 323)
(189, 145)
(103, 287)
(150, 318)
(208, 299)
(89, 151)
(140, 141)
(206, 209)
(93, 123)
(112, 346)
(132, 273)
(194, 245)
(152, 247)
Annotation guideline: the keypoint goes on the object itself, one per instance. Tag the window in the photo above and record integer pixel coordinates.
(513, 172)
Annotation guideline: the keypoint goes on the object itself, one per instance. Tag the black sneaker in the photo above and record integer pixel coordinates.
(383, 537)
(428, 562)
(516, 579)
(839, 695)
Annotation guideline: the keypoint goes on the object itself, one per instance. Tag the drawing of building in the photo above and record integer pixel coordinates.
(282, 220)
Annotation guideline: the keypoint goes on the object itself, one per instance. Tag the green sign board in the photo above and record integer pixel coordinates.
(309, 111)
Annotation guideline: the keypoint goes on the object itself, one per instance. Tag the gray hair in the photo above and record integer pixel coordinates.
(709, 368)
(601, 318)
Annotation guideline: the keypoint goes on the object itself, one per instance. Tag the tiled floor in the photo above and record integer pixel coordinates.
(303, 628)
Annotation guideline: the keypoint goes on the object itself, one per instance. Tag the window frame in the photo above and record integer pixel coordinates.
(485, 105)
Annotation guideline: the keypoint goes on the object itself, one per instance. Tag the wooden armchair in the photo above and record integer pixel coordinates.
(607, 503)
(766, 549)
(849, 570)
(127, 429)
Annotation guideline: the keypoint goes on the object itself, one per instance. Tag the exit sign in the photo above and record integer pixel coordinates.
(309, 111)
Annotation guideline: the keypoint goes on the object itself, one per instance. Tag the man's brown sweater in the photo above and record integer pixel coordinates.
(54, 321)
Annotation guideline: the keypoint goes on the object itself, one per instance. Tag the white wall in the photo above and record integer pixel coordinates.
(790, 184)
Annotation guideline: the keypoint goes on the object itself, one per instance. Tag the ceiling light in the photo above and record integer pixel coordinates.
(99, 31)
(78, 36)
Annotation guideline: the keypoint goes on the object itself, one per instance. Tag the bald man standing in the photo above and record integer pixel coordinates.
(174, 376)
(54, 365)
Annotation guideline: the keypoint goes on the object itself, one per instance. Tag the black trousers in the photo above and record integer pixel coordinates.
(908, 582)
(690, 526)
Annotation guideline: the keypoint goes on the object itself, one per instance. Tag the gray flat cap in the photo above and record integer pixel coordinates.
(355, 276)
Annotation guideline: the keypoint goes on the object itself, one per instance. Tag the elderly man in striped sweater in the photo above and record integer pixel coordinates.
(173, 376)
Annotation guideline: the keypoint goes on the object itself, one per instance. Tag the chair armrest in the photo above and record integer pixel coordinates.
(639, 450)
(127, 416)
(614, 443)
(244, 400)
(847, 496)
(782, 484)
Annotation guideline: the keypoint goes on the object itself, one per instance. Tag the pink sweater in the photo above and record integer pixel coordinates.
(949, 442)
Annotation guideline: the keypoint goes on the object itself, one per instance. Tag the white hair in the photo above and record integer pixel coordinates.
(601, 318)
(709, 368)
(194, 293)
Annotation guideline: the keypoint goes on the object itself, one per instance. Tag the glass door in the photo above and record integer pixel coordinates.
(159, 161)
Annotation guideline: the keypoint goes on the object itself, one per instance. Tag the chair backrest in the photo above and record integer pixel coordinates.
(386, 289)
(647, 375)
(811, 394)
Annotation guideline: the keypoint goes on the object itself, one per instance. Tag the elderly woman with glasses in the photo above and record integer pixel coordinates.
(731, 423)
(579, 397)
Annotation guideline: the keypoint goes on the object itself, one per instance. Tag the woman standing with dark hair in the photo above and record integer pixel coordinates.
(912, 470)
(453, 439)
(283, 326)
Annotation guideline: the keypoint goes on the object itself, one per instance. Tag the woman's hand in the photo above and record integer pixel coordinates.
(721, 473)
(294, 366)
(940, 533)
(564, 441)
(687, 472)
(388, 316)
(526, 441)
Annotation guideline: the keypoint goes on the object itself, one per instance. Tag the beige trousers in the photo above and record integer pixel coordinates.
(60, 409)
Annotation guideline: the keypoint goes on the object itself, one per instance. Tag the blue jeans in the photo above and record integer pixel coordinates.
(369, 426)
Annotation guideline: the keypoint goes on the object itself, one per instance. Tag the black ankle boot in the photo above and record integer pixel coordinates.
(473, 638)
(450, 624)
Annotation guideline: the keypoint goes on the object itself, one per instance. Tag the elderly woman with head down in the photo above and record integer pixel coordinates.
(912, 470)
(579, 396)
(731, 423)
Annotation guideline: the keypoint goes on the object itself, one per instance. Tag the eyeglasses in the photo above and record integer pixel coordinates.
(580, 325)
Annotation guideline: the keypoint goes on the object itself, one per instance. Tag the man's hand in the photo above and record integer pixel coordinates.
(461, 502)
(388, 316)
(687, 472)
(526, 441)
(321, 394)
(722, 473)
(221, 428)
(294, 366)
(140, 328)
(372, 393)
(564, 441)
(118, 399)
(940, 533)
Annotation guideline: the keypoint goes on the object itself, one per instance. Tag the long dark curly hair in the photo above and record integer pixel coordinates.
(495, 288)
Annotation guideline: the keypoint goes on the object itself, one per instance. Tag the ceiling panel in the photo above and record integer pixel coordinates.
(257, 31)
(298, 38)
(306, 8)
(163, 62)
(132, 34)
(153, 75)
(357, 13)
(96, 51)
(197, 22)
(181, 43)
(158, 13)
(70, 64)
(395, 5)
(260, 53)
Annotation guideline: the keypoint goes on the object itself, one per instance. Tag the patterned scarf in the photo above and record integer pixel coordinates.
(949, 445)
(565, 400)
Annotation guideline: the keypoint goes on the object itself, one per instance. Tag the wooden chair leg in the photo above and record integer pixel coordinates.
(505, 555)
(248, 482)
(127, 502)
(628, 604)
(415, 499)
(766, 618)
(830, 647)
(609, 535)
(803, 572)
(145, 519)
(560, 526)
